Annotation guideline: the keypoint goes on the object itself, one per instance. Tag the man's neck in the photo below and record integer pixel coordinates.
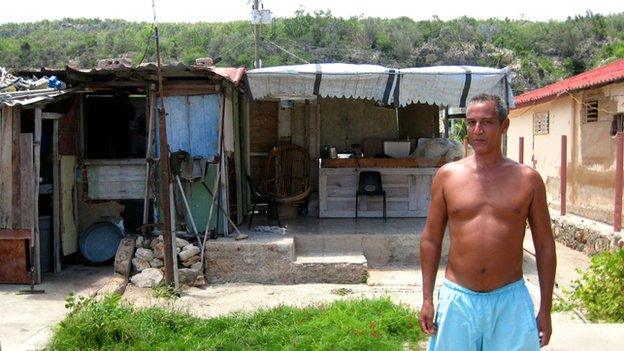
(489, 160)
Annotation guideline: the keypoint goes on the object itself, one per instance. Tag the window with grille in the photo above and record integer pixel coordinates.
(591, 111)
(541, 122)
(618, 123)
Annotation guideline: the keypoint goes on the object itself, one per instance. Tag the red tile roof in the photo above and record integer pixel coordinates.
(604, 74)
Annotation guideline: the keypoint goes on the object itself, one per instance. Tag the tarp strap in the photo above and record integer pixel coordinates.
(396, 89)
(247, 88)
(317, 79)
(386, 95)
(464, 95)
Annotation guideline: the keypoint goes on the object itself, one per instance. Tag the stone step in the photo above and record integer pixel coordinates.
(379, 249)
(353, 257)
(349, 268)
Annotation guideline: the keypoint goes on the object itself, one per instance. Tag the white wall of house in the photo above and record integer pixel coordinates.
(591, 148)
(542, 151)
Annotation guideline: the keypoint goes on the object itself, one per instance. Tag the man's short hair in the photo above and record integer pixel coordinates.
(501, 109)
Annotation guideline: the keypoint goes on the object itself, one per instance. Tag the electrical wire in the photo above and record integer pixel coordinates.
(147, 45)
(288, 52)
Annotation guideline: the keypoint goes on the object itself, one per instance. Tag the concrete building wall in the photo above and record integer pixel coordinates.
(418, 120)
(591, 149)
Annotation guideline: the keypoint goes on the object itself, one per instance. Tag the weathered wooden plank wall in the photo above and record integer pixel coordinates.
(27, 197)
(6, 167)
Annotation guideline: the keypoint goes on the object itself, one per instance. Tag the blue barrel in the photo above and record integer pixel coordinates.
(45, 242)
(100, 241)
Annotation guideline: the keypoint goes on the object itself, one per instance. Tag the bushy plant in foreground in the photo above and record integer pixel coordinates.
(599, 292)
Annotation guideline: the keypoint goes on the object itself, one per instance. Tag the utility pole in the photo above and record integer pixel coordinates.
(258, 17)
(256, 9)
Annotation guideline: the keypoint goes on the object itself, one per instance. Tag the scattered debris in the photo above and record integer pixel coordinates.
(270, 229)
(241, 237)
(14, 88)
(342, 291)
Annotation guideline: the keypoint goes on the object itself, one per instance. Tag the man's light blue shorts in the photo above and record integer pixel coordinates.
(497, 320)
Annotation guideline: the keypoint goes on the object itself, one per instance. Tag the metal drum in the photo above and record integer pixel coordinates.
(99, 241)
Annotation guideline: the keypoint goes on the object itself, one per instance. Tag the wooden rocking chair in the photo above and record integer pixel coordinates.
(287, 174)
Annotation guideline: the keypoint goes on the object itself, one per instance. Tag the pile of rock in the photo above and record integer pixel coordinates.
(148, 262)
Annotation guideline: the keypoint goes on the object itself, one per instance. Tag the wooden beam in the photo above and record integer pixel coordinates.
(240, 179)
(164, 199)
(15, 161)
(148, 154)
(36, 173)
(26, 180)
(56, 200)
(6, 168)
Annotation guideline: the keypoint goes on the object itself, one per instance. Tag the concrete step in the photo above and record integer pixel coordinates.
(262, 259)
(379, 249)
(270, 259)
(353, 257)
(343, 268)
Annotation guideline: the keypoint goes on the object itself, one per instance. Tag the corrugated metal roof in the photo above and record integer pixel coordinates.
(31, 98)
(608, 73)
(233, 74)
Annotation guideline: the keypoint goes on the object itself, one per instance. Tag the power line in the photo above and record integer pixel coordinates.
(288, 52)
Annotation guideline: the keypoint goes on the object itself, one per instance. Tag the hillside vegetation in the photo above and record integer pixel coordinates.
(539, 52)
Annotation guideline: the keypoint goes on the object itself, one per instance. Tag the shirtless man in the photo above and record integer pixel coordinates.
(486, 200)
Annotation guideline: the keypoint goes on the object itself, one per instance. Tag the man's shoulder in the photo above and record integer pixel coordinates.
(524, 172)
(451, 168)
(522, 168)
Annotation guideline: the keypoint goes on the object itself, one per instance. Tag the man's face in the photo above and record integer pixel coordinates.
(484, 128)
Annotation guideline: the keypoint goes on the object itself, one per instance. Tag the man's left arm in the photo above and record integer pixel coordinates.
(539, 221)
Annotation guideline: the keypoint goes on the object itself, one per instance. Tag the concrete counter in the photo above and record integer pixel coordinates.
(408, 191)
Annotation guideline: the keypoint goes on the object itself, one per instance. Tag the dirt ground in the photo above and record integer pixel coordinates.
(26, 322)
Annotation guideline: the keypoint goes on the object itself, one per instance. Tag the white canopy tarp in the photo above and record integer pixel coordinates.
(326, 80)
(453, 85)
(440, 85)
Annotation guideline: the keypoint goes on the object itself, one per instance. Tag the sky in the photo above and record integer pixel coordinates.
(228, 10)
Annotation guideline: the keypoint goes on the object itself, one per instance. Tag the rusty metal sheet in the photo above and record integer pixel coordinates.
(14, 251)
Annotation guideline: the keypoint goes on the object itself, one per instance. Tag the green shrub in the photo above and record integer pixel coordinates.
(599, 292)
(359, 324)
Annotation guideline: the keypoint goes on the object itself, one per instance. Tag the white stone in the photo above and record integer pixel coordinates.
(157, 263)
(188, 247)
(181, 242)
(148, 278)
(197, 265)
(186, 254)
(159, 250)
(140, 264)
(144, 254)
(140, 240)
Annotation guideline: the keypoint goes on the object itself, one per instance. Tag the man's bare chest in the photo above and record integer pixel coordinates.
(472, 198)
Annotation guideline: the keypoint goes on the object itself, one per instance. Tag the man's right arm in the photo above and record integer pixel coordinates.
(430, 248)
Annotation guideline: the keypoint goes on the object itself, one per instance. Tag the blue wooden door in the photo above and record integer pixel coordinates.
(193, 124)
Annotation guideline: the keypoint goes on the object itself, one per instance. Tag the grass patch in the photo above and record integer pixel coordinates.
(363, 324)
